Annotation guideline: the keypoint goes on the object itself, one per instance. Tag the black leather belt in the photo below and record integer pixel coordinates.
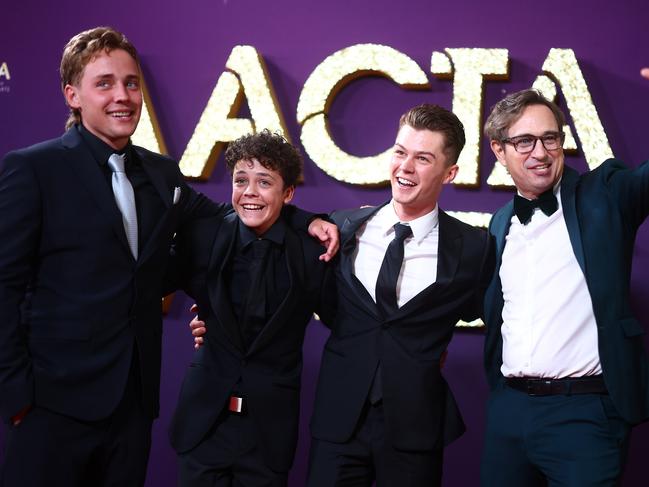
(548, 387)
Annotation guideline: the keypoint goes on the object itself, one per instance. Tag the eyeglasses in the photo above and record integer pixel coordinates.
(524, 144)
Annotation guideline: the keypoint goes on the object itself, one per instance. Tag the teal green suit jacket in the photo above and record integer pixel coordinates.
(603, 209)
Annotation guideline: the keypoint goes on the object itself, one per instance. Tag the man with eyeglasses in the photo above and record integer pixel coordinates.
(564, 355)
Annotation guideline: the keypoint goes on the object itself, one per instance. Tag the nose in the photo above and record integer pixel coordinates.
(407, 164)
(539, 151)
(121, 92)
(251, 190)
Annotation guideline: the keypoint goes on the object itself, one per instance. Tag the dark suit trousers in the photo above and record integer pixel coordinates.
(49, 449)
(229, 456)
(368, 457)
(559, 440)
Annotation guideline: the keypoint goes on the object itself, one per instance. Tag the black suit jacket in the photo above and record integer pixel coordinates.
(420, 411)
(74, 304)
(603, 209)
(268, 372)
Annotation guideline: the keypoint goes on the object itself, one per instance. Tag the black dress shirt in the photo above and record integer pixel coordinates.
(276, 276)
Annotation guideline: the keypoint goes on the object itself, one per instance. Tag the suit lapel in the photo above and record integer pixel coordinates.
(157, 179)
(569, 204)
(294, 257)
(90, 177)
(499, 228)
(348, 230)
(448, 259)
(217, 290)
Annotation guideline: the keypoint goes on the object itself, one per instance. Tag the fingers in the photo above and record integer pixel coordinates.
(644, 72)
(327, 234)
(197, 327)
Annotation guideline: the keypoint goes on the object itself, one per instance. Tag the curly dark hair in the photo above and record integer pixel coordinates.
(272, 151)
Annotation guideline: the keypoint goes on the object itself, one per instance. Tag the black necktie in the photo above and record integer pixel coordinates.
(254, 308)
(386, 292)
(386, 282)
(524, 208)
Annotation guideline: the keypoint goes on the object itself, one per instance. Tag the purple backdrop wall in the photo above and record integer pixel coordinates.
(184, 47)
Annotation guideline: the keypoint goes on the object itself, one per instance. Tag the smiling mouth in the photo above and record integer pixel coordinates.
(123, 114)
(540, 167)
(405, 182)
(251, 207)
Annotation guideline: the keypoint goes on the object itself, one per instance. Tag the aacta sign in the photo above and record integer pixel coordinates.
(245, 75)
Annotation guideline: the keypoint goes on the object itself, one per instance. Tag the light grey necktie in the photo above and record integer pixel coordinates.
(125, 199)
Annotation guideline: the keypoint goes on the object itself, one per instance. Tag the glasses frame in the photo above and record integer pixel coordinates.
(513, 141)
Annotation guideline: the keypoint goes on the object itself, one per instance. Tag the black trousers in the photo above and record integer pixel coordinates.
(229, 456)
(367, 457)
(48, 449)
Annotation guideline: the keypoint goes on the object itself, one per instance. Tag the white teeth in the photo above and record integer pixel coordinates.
(120, 114)
(405, 182)
(252, 207)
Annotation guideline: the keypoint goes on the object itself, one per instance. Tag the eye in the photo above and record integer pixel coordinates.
(524, 141)
(399, 152)
(422, 158)
(240, 181)
(103, 84)
(264, 183)
(133, 85)
(550, 138)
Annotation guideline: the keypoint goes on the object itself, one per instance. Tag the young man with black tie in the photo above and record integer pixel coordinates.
(257, 284)
(406, 274)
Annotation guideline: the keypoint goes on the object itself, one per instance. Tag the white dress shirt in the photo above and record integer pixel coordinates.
(419, 269)
(549, 327)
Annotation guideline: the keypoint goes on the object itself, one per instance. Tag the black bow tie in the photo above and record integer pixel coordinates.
(524, 208)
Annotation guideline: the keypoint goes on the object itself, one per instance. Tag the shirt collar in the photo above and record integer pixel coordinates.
(101, 151)
(421, 226)
(275, 233)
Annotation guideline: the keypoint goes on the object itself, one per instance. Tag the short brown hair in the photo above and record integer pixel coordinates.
(272, 151)
(437, 119)
(82, 49)
(505, 113)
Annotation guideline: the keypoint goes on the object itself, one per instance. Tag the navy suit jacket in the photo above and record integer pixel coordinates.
(75, 306)
(268, 372)
(420, 411)
(603, 209)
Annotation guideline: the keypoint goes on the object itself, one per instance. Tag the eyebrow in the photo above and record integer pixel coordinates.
(265, 174)
(112, 76)
(547, 132)
(417, 152)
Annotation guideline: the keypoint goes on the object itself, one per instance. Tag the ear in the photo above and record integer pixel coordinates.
(499, 151)
(451, 172)
(288, 194)
(71, 96)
